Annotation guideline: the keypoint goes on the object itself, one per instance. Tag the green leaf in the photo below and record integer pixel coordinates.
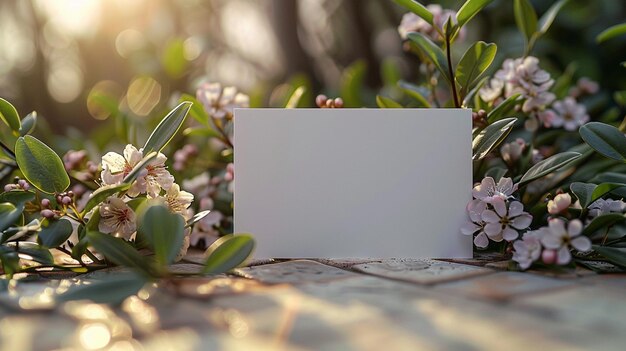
(202, 132)
(32, 252)
(546, 20)
(603, 221)
(611, 32)
(197, 218)
(113, 290)
(473, 64)
(103, 193)
(549, 165)
(469, 10)
(164, 231)
(55, 233)
(10, 260)
(433, 52)
(491, 137)
(503, 108)
(603, 189)
(526, 18)
(605, 139)
(145, 161)
(615, 255)
(294, 99)
(119, 252)
(584, 192)
(9, 213)
(385, 102)
(415, 92)
(9, 115)
(417, 9)
(28, 123)
(197, 111)
(17, 197)
(41, 166)
(352, 79)
(228, 252)
(167, 128)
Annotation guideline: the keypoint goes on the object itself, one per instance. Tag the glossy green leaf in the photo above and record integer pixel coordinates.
(167, 128)
(503, 108)
(546, 20)
(10, 260)
(164, 231)
(549, 165)
(196, 111)
(40, 165)
(113, 290)
(605, 188)
(385, 102)
(605, 139)
(54, 233)
(14, 233)
(28, 123)
(490, 137)
(103, 193)
(584, 192)
(603, 221)
(202, 132)
(469, 9)
(228, 252)
(473, 64)
(9, 115)
(433, 52)
(614, 255)
(611, 32)
(17, 197)
(526, 18)
(9, 213)
(294, 99)
(32, 252)
(417, 9)
(145, 161)
(119, 252)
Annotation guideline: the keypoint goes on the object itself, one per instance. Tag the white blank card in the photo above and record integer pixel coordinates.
(353, 182)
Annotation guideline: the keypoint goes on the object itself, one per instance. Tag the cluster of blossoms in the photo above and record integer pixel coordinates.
(322, 101)
(413, 23)
(155, 182)
(494, 214)
(524, 76)
(220, 102)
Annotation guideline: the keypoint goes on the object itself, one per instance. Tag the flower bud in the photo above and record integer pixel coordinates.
(47, 213)
(320, 100)
(45, 203)
(548, 256)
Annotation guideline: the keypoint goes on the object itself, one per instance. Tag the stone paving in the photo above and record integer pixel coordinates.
(325, 304)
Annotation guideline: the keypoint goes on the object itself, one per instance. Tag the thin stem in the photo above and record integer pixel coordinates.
(224, 137)
(7, 150)
(455, 95)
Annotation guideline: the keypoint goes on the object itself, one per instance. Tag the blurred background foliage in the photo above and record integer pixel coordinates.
(97, 68)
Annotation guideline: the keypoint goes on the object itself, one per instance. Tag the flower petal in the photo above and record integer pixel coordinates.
(509, 234)
(490, 217)
(481, 240)
(574, 228)
(581, 243)
(515, 209)
(557, 226)
(522, 222)
(563, 256)
(493, 230)
(469, 228)
(551, 241)
(500, 206)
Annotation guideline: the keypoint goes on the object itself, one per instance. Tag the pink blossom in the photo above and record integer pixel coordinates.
(528, 250)
(488, 190)
(561, 239)
(413, 23)
(569, 114)
(476, 225)
(503, 223)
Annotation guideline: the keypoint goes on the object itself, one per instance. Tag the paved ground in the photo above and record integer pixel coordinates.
(331, 305)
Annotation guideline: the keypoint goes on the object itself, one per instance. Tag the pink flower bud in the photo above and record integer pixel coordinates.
(548, 256)
(338, 102)
(45, 203)
(47, 213)
(559, 204)
(66, 200)
(8, 187)
(320, 100)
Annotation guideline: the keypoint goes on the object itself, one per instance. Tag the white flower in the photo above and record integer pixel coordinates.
(501, 223)
(413, 23)
(218, 102)
(151, 180)
(569, 114)
(178, 200)
(199, 185)
(204, 231)
(602, 206)
(116, 218)
(560, 203)
(487, 190)
(511, 152)
(475, 209)
(523, 76)
(561, 239)
(528, 250)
